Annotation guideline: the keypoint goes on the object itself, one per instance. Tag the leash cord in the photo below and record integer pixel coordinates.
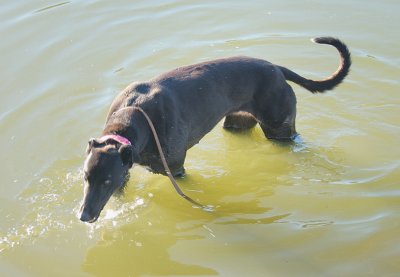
(165, 164)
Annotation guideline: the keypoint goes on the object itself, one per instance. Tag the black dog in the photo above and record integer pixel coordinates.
(184, 105)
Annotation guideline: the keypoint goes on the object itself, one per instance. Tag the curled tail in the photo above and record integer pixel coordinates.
(330, 82)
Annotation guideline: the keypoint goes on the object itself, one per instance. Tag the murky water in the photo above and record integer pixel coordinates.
(326, 206)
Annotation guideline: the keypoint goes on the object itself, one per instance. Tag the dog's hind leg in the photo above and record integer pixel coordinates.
(278, 120)
(239, 121)
(284, 132)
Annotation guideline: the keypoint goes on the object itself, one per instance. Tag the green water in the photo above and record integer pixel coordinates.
(328, 206)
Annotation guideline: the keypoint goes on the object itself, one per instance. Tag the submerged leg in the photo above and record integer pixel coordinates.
(280, 127)
(180, 173)
(283, 132)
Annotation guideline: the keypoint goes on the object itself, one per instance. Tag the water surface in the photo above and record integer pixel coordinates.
(328, 205)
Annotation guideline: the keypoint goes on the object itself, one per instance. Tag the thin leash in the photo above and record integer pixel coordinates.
(165, 164)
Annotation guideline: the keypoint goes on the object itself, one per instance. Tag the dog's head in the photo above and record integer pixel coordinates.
(106, 170)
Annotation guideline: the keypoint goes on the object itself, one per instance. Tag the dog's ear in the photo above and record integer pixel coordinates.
(92, 143)
(127, 153)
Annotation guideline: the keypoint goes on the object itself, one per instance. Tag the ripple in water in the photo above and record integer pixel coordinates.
(52, 204)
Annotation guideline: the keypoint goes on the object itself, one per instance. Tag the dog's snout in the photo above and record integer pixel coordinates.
(87, 217)
(84, 217)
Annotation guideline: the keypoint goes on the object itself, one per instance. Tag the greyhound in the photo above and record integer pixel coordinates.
(184, 105)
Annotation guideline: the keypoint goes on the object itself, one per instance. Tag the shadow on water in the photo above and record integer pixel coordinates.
(140, 249)
(143, 247)
(146, 245)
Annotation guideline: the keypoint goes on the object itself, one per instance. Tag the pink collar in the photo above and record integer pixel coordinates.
(117, 138)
